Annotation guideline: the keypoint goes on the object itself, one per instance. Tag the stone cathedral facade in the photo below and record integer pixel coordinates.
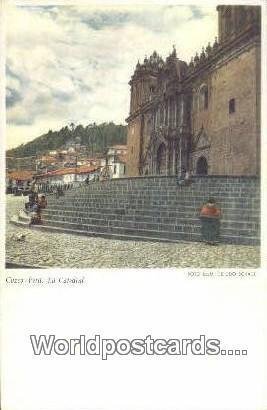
(204, 116)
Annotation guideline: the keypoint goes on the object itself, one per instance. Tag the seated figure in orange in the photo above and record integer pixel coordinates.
(210, 222)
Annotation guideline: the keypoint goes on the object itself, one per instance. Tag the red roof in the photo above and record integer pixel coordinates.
(48, 159)
(119, 147)
(20, 175)
(84, 169)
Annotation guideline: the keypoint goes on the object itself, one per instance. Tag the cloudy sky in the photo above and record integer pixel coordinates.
(68, 63)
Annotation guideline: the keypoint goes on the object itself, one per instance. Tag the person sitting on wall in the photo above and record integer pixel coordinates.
(185, 178)
(30, 202)
(35, 214)
(61, 191)
(57, 190)
(33, 197)
(33, 186)
(43, 202)
(210, 222)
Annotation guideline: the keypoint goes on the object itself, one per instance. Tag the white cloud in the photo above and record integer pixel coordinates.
(74, 63)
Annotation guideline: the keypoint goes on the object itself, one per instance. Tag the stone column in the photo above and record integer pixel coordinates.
(131, 100)
(143, 92)
(152, 161)
(168, 151)
(179, 155)
(182, 111)
(133, 104)
(174, 112)
(181, 164)
(174, 156)
(178, 121)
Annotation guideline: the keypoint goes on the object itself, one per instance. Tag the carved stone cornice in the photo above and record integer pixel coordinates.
(224, 52)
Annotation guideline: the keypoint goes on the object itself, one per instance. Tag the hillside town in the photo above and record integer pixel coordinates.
(65, 168)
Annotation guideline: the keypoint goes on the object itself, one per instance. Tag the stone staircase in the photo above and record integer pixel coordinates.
(156, 208)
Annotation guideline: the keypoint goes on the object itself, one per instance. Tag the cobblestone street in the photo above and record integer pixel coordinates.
(47, 249)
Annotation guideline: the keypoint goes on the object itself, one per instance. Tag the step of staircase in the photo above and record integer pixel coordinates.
(120, 233)
(102, 218)
(156, 208)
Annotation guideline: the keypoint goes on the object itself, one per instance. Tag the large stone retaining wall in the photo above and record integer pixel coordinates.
(157, 208)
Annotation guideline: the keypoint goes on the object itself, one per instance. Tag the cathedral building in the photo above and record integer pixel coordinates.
(202, 117)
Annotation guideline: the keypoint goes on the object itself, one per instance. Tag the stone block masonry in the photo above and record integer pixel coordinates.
(157, 208)
(203, 116)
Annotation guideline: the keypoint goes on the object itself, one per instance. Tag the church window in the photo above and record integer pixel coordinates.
(161, 114)
(231, 106)
(242, 16)
(204, 97)
(162, 160)
(195, 102)
(202, 166)
(172, 112)
(228, 21)
(166, 113)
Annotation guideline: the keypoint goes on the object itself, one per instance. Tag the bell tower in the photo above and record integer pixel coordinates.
(143, 81)
(235, 20)
(143, 88)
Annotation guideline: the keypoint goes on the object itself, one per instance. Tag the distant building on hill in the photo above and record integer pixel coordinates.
(14, 163)
(18, 180)
(116, 161)
(67, 175)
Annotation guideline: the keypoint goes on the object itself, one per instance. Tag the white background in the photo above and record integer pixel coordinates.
(133, 304)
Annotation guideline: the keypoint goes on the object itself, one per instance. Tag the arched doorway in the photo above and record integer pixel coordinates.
(161, 160)
(202, 166)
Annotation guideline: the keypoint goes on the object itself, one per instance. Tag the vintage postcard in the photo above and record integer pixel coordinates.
(133, 142)
(133, 135)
